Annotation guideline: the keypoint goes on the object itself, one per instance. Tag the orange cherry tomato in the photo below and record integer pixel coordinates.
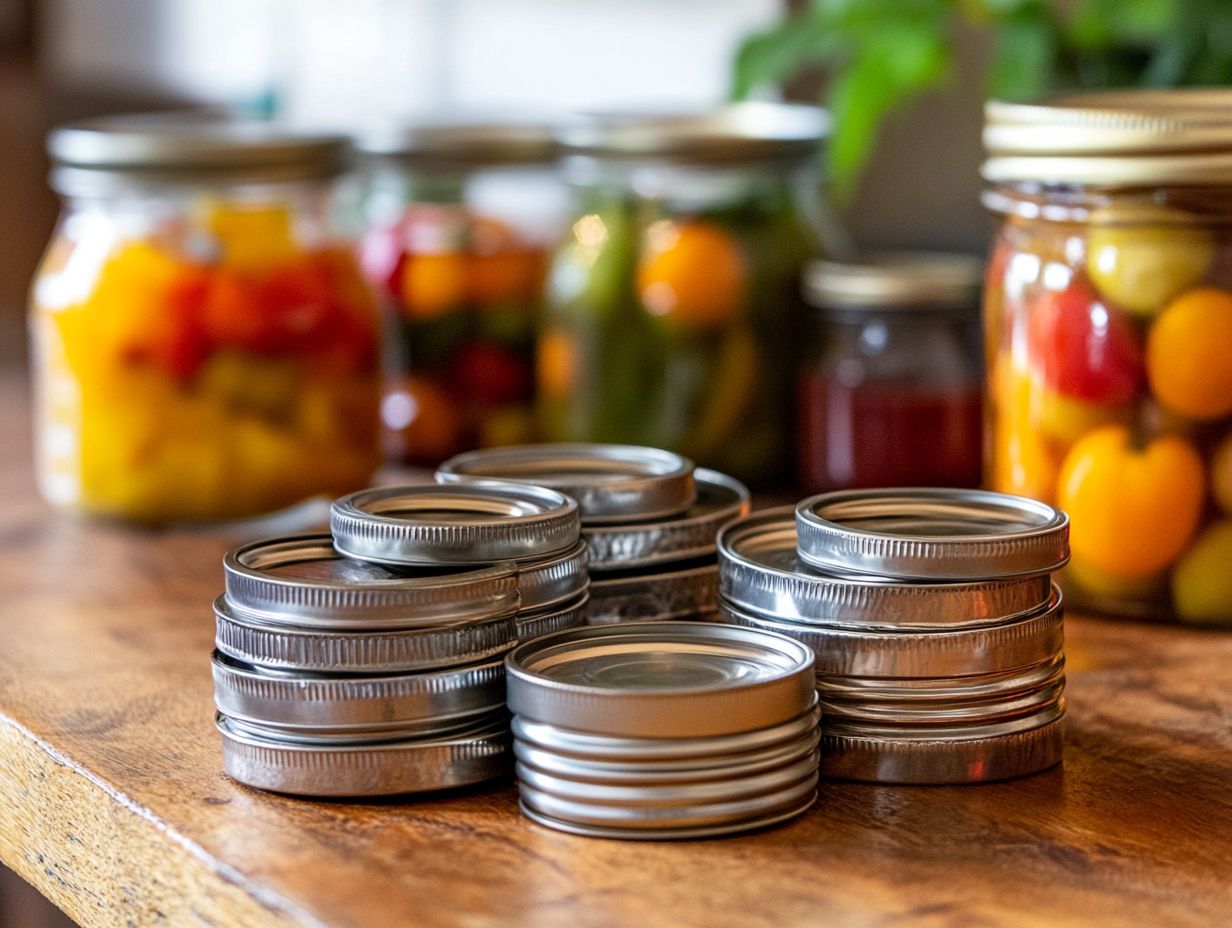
(556, 367)
(693, 272)
(433, 283)
(1189, 354)
(1132, 511)
(421, 422)
(504, 276)
(1023, 461)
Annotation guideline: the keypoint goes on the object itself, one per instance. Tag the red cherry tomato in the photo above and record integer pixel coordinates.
(1084, 348)
(381, 256)
(489, 375)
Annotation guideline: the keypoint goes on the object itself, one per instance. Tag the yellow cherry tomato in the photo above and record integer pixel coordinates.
(1022, 461)
(1132, 512)
(1140, 268)
(1189, 354)
(1202, 582)
(693, 273)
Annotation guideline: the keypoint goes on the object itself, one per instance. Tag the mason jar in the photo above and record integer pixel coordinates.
(459, 218)
(1109, 338)
(672, 302)
(891, 390)
(203, 345)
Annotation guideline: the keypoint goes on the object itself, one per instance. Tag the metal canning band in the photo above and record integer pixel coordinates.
(329, 701)
(695, 815)
(845, 652)
(612, 483)
(668, 795)
(366, 769)
(546, 622)
(302, 580)
(547, 582)
(891, 759)
(689, 593)
(423, 730)
(246, 638)
(640, 772)
(760, 572)
(943, 713)
(928, 533)
(659, 751)
(661, 680)
(473, 523)
(719, 500)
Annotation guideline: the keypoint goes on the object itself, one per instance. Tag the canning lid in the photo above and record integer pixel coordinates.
(188, 147)
(302, 580)
(547, 582)
(479, 522)
(720, 499)
(446, 141)
(761, 572)
(661, 679)
(1112, 138)
(928, 533)
(869, 652)
(380, 768)
(736, 133)
(890, 281)
(611, 483)
(681, 591)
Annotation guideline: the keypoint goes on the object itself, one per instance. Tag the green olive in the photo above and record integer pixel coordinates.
(1201, 582)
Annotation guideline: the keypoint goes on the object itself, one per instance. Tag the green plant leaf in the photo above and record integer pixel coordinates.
(1024, 58)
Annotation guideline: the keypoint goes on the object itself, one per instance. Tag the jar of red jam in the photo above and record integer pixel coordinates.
(460, 214)
(1109, 338)
(891, 392)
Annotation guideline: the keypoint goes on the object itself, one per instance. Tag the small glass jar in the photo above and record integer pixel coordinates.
(1109, 339)
(891, 393)
(459, 217)
(672, 302)
(204, 346)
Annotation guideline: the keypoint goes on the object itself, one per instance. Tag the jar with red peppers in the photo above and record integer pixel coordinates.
(891, 393)
(1109, 338)
(459, 217)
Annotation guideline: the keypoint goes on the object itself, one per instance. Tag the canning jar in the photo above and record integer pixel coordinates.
(672, 302)
(204, 346)
(1109, 338)
(460, 216)
(891, 391)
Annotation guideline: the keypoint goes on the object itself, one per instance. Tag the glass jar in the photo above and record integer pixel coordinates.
(672, 302)
(1109, 339)
(891, 393)
(460, 216)
(204, 346)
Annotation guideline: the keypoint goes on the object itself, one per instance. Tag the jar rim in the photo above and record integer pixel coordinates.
(893, 281)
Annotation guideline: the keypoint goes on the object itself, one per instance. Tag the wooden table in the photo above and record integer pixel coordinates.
(112, 801)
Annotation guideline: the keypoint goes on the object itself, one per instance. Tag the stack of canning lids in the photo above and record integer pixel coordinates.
(649, 517)
(663, 729)
(935, 623)
(370, 661)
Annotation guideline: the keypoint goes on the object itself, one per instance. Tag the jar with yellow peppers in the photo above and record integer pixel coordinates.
(1109, 339)
(204, 346)
(460, 215)
(673, 302)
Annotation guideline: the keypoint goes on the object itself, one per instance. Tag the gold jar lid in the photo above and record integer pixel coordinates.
(1112, 138)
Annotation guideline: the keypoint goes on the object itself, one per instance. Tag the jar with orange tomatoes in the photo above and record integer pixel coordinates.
(203, 345)
(460, 215)
(673, 306)
(1109, 339)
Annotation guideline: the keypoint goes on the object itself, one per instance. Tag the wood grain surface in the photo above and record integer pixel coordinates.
(113, 804)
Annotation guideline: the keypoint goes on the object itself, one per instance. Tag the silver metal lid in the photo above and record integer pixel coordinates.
(690, 592)
(930, 533)
(736, 133)
(394, 650)
(415, 765)
(996, 752)
(560, 578)
(448, 141)
(660, 679)
(553, 619)
(760, 571)
(620, 547)
(95, 154)
(891, 281)
(848, 652)
(359, 706)
(612, 483)
(302, 580)
(475, 523)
